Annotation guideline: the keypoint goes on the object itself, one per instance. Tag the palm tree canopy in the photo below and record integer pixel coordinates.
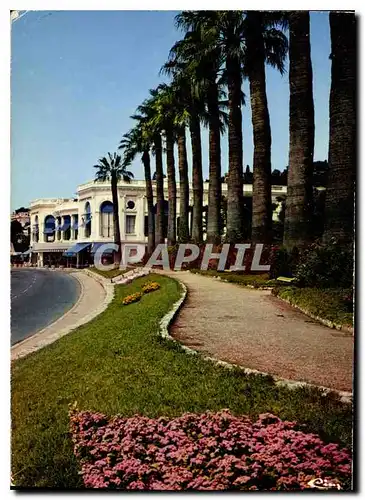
(112, 167)
(219, 35)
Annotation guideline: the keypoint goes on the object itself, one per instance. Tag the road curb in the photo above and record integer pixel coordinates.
(168, 318)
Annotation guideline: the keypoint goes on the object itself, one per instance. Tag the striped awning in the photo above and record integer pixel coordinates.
(96, 245)
(75, 249)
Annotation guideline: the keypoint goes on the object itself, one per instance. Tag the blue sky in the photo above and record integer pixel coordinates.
(77, 76)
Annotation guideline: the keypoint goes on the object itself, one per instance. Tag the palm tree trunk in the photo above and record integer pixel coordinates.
(215, 186)
(184, 187)
(159, 192)
(339, 205)
(299, 201)
(197, 222)
(235, 154)
(149, 196)
(116, 228)
(171, 183)
(261, 190)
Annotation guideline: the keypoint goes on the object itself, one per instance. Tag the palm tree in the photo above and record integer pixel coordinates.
(183, 229)
(298, 212)
(137, 141)
(198, 56)
(147, 111)
(112, 169)
(163, 119)
(190, 108)
(339, 205)
(180, 103)
(265, 43)
(225, 32)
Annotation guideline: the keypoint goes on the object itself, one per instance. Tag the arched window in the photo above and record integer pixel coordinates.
(106, 219)
(87, 220)
(49, 228)
(66, 228)
(36, 230)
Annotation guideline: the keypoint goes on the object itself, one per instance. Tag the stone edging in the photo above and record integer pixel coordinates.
(109, 291)
(129, 276)
(97, 277)
(345, 397)
(326, 322)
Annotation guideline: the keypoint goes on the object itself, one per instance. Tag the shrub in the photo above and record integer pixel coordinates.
(134, 297)
(150, 286)
(283, 262)
(348, 300)
(211, 451)
(326, 266)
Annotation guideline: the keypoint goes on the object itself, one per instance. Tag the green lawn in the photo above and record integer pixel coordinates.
(108, 274)
(326, 303)
(118, 364)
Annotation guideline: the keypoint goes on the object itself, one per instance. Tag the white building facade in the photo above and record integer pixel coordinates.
(64, 227)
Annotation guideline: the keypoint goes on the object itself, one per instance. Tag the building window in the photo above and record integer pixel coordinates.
(66, 227)
(106, 219)
(130, 204)
(130, 224)
(146, 225)
(87, 220)
(49, 229)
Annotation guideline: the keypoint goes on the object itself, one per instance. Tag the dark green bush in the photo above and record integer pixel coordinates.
(283, 262)
(326, 266)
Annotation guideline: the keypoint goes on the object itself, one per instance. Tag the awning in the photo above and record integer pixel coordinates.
(97, 245)
(71, 252)
(75, 226)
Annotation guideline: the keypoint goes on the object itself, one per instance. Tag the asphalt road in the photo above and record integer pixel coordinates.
(38, 298)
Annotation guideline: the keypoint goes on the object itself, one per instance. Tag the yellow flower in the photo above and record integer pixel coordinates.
(135, 297)
(150, 286)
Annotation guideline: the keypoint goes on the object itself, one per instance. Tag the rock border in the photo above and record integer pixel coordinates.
(168, 318)
(325, 322)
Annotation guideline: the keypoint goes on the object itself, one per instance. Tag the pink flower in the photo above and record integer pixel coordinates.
(211, 451)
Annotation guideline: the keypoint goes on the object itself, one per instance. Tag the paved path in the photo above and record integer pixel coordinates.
(38, 298)
(254, 329)
(94, 298)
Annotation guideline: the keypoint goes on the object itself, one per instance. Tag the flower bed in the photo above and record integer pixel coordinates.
(135, 297)
(210, 451)
(150, 286)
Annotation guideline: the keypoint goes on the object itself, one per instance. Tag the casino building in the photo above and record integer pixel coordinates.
(68, 231)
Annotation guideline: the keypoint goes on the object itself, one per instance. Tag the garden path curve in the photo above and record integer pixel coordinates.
(256, 330)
